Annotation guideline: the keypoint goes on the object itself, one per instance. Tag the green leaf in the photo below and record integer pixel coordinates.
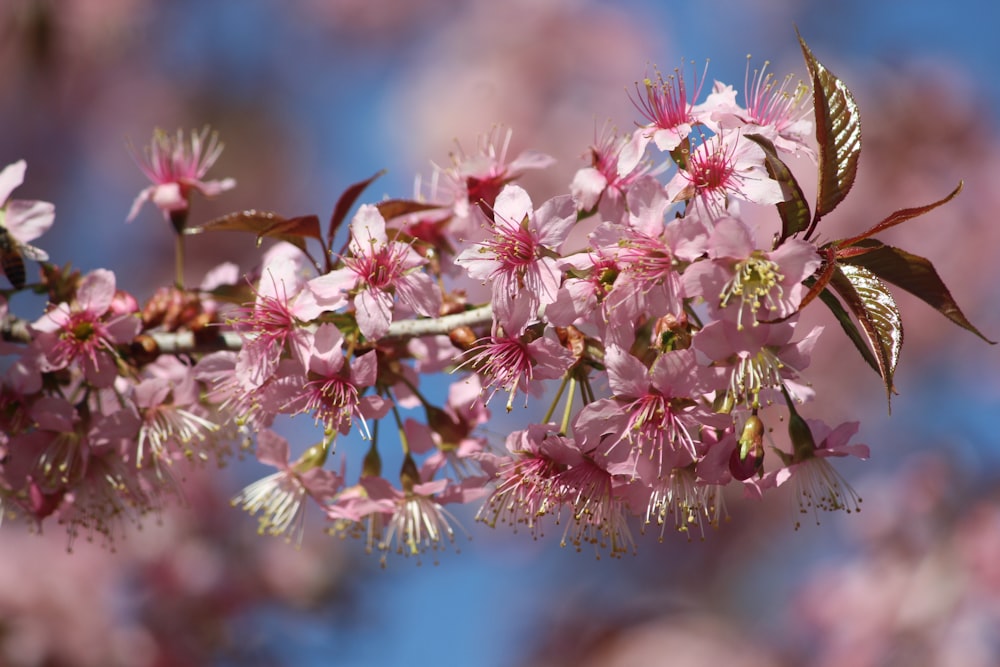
(794, 211)
(838, 131)
(344, 205)
(869, 300)
(913, 273)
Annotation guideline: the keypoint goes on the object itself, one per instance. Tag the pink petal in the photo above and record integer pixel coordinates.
(10, 178)
(272, 449)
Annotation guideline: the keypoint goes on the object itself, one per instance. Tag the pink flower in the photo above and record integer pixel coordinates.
(758, 359)
(375, 270)
(22, 221)
(280, 496)
(655, 414)
(331, 392)
(519, 260)
(177, 166)
(172, 419)
(741, 278)
(776, 110)
(273, 324)
(474, 181)
(418, 521)
(670, 113)
(86, 331)
(818, 485)
(512, 363)
(724, 168)
(524, 491)
(601, 183)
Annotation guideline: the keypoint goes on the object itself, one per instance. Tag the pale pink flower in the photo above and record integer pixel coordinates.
(724, 168)
(23, 221)
(670, 112)
(473, 181)
(376, 271)
(524, 491)
(332, 388)
(654, 414)
(601, 183)
(740, 278)
(418, 521)
(519, 259)
(777, 110)
(692, 502)
(818, 485)
(177, 165)
(86, 331)
(598, 509)
(513, 363)
(173, 422)
(281, 496)
(448, 433)
(272, 327)
(758, 360)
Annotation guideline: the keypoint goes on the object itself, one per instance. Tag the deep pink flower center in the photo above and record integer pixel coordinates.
(712, 171)
(514, 248)
(380, 269)
(665, 102)
(332, 400)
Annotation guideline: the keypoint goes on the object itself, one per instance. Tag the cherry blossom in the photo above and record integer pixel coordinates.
(177, 166)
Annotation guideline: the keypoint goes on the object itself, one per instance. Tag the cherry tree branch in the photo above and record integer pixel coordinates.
(16, 330)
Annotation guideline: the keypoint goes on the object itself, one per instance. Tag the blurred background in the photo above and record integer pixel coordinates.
(312, 95)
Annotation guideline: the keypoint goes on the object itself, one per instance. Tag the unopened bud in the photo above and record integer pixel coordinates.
(144, 349)
(672, 333)
(463, 338)
(748, 459)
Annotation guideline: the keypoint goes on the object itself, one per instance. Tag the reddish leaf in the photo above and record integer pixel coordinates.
(838, 131)
(394, 208)
(344, 205)
(913, 273)
(869, 300)
(253, 221)
(826, 272)
(827, 297)
(899, 216)
(303, 226)
(794, 211)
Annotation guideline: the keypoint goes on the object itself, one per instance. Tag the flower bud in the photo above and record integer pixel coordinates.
(463, 338)
(748, 459)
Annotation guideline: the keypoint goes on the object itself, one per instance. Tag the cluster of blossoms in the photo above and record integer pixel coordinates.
(642, 302)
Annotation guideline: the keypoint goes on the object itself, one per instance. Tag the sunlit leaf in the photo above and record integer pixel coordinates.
(869, 300)
(838, 131)
(827, 297)
(913, 273)
(794, 211)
